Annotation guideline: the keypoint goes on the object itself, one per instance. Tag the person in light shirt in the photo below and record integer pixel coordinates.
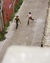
(29, 17)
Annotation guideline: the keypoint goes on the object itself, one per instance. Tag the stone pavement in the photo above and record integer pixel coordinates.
(27, 35)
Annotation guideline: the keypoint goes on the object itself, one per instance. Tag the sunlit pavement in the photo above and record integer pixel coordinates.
(29, 35)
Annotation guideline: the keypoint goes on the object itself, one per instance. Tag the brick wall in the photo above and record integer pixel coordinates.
(7, 10)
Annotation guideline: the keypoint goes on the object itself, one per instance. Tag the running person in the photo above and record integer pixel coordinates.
(29, 17)
(17, 20)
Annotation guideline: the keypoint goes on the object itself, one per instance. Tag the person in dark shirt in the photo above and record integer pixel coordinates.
(17, 20)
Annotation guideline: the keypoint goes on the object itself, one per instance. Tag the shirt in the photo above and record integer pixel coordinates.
(17, 20)
(29, 15)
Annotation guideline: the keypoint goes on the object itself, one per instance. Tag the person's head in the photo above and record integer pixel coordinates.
(29, 12)
(17, 16)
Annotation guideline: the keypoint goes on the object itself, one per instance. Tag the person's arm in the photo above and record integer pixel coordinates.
(15, 20)
(19, 21)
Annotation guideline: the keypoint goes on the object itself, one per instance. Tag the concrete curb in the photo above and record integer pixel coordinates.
(47, 33)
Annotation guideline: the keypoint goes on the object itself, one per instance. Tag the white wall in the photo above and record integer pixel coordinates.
(23, 54)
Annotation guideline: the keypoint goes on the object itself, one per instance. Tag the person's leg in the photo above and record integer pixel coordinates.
(28, 22)
(16, 25)
(32, 18)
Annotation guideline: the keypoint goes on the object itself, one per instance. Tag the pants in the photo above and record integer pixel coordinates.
(29, 19)
(16, 25)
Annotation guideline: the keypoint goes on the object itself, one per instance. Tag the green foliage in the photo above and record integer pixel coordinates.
(16, 9)
(2, 37)
(18, 5)
(20, 2)
(2, 34)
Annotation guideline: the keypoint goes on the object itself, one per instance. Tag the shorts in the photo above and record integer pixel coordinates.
(30, 17)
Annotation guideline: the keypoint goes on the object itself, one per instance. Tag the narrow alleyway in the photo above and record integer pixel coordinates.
(29, 35)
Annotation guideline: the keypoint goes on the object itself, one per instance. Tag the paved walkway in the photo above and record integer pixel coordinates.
(29, 35)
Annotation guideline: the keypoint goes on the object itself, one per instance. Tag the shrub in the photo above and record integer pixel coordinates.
(20, 2)
(18, 5)
(2, 34)
(16, 9)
